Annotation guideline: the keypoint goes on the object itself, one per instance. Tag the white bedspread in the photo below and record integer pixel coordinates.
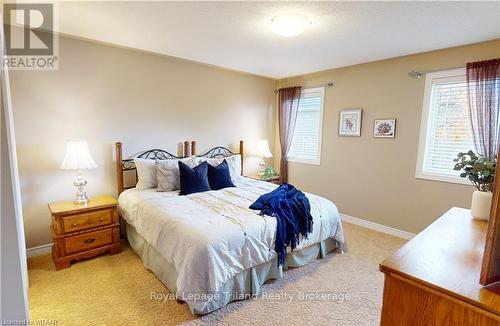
(209, 237)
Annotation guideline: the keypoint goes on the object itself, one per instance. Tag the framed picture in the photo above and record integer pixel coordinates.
(384, 128)
(350, 122)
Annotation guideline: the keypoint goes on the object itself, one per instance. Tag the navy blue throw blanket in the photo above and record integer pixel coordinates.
(293, 215)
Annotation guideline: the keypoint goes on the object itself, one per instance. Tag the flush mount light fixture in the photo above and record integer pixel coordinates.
(288, 25)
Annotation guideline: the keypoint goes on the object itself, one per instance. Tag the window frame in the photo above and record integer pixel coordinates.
(321, 109)
(451, 75)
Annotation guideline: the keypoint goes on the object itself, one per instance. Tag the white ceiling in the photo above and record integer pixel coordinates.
(236, 35)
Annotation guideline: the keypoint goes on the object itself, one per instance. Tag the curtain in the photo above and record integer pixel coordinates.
(288, 105)
(483, 92)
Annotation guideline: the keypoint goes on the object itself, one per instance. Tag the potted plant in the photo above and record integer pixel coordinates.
(269, 173)
(481, 173)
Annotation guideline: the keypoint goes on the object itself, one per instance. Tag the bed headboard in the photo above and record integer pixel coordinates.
(188, 149)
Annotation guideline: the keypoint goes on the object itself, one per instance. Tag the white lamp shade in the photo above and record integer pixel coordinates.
(263, 149)
(77, 156)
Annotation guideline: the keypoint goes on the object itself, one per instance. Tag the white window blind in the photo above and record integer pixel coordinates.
(446, 129)
(306, 141)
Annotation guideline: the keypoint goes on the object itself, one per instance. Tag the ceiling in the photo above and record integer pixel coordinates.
(236, 35)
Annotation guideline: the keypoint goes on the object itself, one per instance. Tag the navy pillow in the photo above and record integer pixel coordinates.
(219, 176)
(193, 179)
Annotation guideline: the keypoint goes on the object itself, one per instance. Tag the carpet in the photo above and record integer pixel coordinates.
(342, 289)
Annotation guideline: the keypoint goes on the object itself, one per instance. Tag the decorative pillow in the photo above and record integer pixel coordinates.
(146, 173)
(193, 179)
(167, 173)
(233, 162)
(219, 176)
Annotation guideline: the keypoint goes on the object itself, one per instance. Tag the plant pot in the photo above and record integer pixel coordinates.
(481, 204)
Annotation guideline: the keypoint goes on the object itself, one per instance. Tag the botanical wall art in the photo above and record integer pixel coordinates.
(350, 122)
(384, 128)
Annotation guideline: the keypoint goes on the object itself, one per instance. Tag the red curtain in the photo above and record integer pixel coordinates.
(288, 104)
(483, 92)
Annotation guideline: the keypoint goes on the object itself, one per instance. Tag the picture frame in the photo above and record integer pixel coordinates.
(384, 128)
(350, 122)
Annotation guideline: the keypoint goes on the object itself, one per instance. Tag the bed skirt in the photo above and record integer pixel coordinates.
(242, 285)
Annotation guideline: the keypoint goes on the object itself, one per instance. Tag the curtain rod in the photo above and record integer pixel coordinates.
(327, 85)
(419, 74)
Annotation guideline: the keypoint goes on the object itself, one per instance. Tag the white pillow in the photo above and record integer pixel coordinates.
(146, 173)
(167, 172)
(233, 162)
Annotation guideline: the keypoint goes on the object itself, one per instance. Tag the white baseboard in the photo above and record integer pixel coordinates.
(39, 250)
(377, 227)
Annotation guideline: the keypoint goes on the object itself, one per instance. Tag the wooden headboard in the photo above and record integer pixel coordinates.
(189, 149)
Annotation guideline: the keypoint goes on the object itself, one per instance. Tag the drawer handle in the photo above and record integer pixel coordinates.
(75, 224)
(88, 241)
(100, 220)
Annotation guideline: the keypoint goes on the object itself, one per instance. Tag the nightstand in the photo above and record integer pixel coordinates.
(275, 180)
(84, 231)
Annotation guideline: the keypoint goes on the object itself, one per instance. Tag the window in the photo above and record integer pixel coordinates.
(306, 141)
(445, 126)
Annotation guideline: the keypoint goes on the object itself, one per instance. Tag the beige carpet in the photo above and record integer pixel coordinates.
(116, 290)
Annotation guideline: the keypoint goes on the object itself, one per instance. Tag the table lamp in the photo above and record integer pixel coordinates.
(263, 152)
(78, 158)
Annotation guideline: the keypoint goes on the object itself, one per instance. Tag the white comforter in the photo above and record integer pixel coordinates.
(209, 237)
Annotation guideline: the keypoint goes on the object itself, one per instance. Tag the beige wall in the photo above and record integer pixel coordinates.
(105, 94)
(374, 179)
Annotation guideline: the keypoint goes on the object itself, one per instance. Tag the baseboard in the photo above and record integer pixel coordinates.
(377, 227)
(39, 250)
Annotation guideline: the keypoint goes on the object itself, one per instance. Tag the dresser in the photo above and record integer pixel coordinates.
(84, 231)
(434, 278)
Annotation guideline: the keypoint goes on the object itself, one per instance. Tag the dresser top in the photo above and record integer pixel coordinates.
(94, 202)
(447, 256)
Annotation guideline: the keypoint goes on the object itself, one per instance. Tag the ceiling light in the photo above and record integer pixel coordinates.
(289, 25)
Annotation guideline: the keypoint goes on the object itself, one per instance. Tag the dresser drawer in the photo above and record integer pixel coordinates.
(88, 241)
(84, 221)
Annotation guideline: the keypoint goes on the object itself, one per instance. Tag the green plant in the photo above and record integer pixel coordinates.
(269, 173)
(477, 168)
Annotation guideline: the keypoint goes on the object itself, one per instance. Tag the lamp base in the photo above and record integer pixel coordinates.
(81, 195)
(81, 199)
(262, 167)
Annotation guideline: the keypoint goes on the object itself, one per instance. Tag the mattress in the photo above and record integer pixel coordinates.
(210, 238)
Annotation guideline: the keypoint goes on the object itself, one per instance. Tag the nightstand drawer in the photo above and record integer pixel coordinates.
(88, 241)
(87, 220)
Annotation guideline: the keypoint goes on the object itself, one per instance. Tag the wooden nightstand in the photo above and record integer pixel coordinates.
(275, 180)
(82, 231)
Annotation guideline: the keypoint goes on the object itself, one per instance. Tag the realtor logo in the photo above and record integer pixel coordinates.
(29, 36)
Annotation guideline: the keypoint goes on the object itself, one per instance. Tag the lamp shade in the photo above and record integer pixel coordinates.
(77, 156)
(263, 149)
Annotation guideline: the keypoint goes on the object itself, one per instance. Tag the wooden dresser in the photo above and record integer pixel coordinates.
(434, 278)
(84, 231)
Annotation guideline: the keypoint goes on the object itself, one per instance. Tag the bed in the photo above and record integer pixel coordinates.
(209, 248)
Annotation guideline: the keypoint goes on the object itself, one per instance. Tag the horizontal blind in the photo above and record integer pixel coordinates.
(306, 137)
(448, 130)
